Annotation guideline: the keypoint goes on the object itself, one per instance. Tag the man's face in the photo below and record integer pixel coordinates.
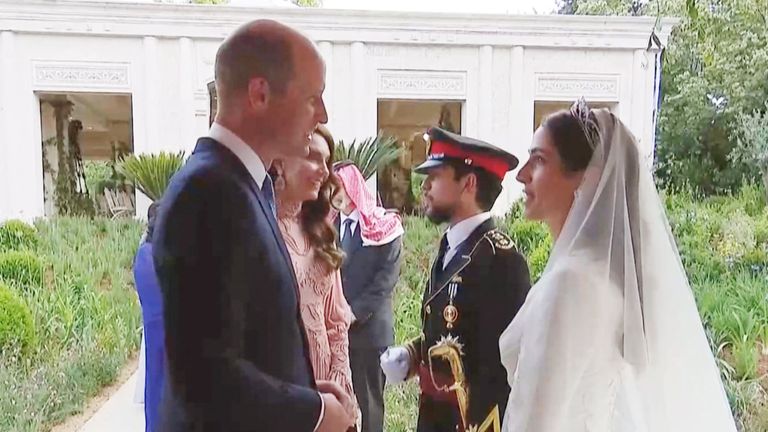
(293, 115)
(342, 201)
(441, 193)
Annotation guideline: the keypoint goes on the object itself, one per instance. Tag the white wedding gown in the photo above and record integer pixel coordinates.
(563, 355)
(610, 339)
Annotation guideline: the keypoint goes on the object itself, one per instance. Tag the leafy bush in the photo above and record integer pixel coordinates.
(16, 235)
(370, 154)
(17, 329)
(21, 268)
(151, 173)
(98, 176)
(752, 140)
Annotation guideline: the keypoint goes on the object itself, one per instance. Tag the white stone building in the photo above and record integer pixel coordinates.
(138, 74)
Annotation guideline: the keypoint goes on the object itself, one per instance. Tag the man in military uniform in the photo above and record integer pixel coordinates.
(478, 283)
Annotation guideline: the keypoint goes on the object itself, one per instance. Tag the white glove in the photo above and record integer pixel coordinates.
(395, 362)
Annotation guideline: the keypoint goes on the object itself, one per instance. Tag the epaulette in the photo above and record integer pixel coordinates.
(499, 240)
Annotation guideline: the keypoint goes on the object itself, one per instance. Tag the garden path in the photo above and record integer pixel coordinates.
(120, 413)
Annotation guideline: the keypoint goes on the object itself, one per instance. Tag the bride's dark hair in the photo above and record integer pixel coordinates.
(572, 133)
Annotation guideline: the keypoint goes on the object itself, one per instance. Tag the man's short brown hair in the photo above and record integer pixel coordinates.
(261, 48)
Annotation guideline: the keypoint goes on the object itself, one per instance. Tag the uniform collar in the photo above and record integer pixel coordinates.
(459, 232)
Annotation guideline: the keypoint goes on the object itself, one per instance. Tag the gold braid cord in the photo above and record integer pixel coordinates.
(491, 423)
(450, 350)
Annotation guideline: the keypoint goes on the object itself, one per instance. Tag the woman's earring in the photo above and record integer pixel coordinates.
(279, 182)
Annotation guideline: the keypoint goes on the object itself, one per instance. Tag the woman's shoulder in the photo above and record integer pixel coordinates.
(572, 269)
(572, 278)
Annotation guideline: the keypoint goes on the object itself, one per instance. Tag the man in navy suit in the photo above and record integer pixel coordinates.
(236, 347)
(371, 238)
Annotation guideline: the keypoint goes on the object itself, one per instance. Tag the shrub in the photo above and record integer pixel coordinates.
(17, 235)
(17, 329)
(537, 261)
(737, 237)
(528, 236)
(21, 268)
(151, 173)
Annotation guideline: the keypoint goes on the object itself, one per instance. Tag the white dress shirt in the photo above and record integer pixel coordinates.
(459, 232)
(255, 166)
(243, 151)
(354, 217)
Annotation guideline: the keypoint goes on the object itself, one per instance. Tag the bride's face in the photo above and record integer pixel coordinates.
(548, 187)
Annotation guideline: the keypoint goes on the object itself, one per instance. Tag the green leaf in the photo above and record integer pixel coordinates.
(151, 173)
(369, 155)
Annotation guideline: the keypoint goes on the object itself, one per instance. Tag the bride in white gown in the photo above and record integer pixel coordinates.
(610, 338)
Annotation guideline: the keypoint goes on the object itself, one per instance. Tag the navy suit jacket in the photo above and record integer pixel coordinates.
(236, 347)
(368, 277)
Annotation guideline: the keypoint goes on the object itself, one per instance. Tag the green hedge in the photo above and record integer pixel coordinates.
(22, 269)
(17, 329)
(16, 235)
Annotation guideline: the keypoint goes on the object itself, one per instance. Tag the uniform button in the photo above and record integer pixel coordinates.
(429, 309)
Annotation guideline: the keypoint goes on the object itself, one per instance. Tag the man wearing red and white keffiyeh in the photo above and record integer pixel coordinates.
(371, 238)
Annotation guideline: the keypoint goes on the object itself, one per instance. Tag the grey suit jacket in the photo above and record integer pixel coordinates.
(369, 275)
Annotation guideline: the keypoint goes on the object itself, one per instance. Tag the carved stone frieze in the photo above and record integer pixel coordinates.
(73, 75)
(427, 83)
(605, 87)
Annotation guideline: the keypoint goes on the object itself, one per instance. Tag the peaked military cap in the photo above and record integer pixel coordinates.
(445, 146)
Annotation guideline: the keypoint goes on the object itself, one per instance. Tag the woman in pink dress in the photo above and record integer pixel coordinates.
(303, 188)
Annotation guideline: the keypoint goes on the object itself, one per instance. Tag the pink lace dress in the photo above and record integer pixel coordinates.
(324, 310)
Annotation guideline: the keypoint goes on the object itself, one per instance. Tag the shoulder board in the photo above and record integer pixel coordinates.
(499, 240)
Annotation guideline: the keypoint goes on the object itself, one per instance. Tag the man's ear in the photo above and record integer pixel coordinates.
(470, 183)
(259, 93)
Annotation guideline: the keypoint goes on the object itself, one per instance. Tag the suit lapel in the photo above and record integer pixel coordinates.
(356, 244)
(357, 236)
(265, 208)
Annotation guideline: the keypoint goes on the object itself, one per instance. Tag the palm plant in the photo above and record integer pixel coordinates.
(369, 154)
(151, 173)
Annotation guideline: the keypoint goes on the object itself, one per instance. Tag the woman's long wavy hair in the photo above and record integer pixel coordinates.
(314, 214)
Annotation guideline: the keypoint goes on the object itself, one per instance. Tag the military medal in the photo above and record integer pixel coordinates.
(451, 313)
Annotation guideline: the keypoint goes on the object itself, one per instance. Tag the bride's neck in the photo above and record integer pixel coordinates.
(555, 226)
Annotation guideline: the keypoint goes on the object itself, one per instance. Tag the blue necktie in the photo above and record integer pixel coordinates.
(269, 193)
(346, 241)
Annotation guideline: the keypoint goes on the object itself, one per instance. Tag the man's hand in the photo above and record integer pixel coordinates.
(395, 362)
(335, 417)
(331, 387)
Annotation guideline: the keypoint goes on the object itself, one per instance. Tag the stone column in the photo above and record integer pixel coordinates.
(364, 101)
(520, 124)
(326, 50)
(359, 90)
(151, 105)
(485, 102)
(146, 115)
(186, 95)
(639, 97)
(7, 138)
